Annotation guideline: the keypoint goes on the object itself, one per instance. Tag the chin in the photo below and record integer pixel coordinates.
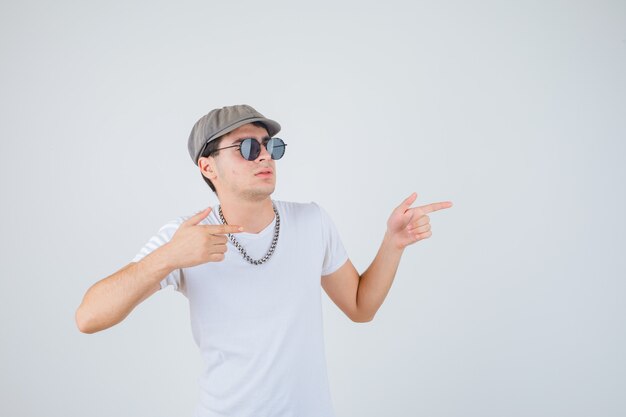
(263, 190)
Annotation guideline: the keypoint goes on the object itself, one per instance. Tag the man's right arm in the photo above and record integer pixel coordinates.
(110, 300)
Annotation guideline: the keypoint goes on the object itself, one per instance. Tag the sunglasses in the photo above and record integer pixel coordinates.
(250, 148)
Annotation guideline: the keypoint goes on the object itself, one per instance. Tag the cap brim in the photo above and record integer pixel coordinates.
(272, 126)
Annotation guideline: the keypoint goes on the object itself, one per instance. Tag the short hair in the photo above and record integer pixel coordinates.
(211, 147)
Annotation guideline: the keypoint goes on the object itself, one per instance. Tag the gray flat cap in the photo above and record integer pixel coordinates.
(218, 122)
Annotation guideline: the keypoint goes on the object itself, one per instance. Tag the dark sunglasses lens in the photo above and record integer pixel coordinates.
(250, 149)
(276, 148)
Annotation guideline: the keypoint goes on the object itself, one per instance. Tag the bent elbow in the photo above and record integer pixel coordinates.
(362, 319)
(82, 322)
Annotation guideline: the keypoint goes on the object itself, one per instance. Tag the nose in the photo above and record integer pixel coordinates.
(264, 154)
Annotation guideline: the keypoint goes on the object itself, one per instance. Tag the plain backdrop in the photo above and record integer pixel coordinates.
(514, 111)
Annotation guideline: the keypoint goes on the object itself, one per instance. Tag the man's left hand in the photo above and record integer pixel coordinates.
(409, 225)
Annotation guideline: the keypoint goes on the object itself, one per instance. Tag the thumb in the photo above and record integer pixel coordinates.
(197, 218)
(408, 201)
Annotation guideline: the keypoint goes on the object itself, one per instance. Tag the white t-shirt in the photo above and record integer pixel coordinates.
(259, 327)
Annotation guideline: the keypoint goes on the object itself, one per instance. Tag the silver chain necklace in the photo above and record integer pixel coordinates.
(243, 251)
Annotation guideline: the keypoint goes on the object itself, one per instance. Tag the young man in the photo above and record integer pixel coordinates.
(251, 268)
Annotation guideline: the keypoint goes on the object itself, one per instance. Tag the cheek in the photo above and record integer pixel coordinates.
(235, 171)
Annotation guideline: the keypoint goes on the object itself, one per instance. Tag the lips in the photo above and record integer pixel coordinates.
(265, 171)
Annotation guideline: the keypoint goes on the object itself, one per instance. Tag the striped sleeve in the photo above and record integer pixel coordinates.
(163, 236)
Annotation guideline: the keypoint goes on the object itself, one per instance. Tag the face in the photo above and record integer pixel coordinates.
(234, 176)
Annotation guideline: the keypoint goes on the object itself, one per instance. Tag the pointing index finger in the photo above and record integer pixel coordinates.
(222, 229)
(429, 208)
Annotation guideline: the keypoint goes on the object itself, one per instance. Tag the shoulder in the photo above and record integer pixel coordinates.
(295, 208)
(176, 222)
(311, 211)
(211, 218)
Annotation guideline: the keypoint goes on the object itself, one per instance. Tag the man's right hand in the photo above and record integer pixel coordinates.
(194, 244)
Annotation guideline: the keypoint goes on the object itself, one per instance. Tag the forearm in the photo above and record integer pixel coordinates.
(111, 299)
(376, 281)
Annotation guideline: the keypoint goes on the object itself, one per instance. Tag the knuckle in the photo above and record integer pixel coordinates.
(217, 256)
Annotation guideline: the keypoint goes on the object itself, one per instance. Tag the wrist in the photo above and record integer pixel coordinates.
(163, 260)
(391, 243)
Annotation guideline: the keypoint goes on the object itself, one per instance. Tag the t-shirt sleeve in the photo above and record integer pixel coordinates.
(163, 236)
(335, 254)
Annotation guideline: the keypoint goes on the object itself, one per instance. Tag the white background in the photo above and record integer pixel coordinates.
(514, 111)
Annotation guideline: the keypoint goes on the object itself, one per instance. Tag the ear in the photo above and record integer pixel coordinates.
(207, 167)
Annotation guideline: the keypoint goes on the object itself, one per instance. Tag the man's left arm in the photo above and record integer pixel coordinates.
(360, 296)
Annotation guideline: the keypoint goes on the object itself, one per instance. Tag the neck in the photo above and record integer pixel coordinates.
(253, 215)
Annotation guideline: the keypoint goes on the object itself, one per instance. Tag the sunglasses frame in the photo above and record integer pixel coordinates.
(254, 139)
